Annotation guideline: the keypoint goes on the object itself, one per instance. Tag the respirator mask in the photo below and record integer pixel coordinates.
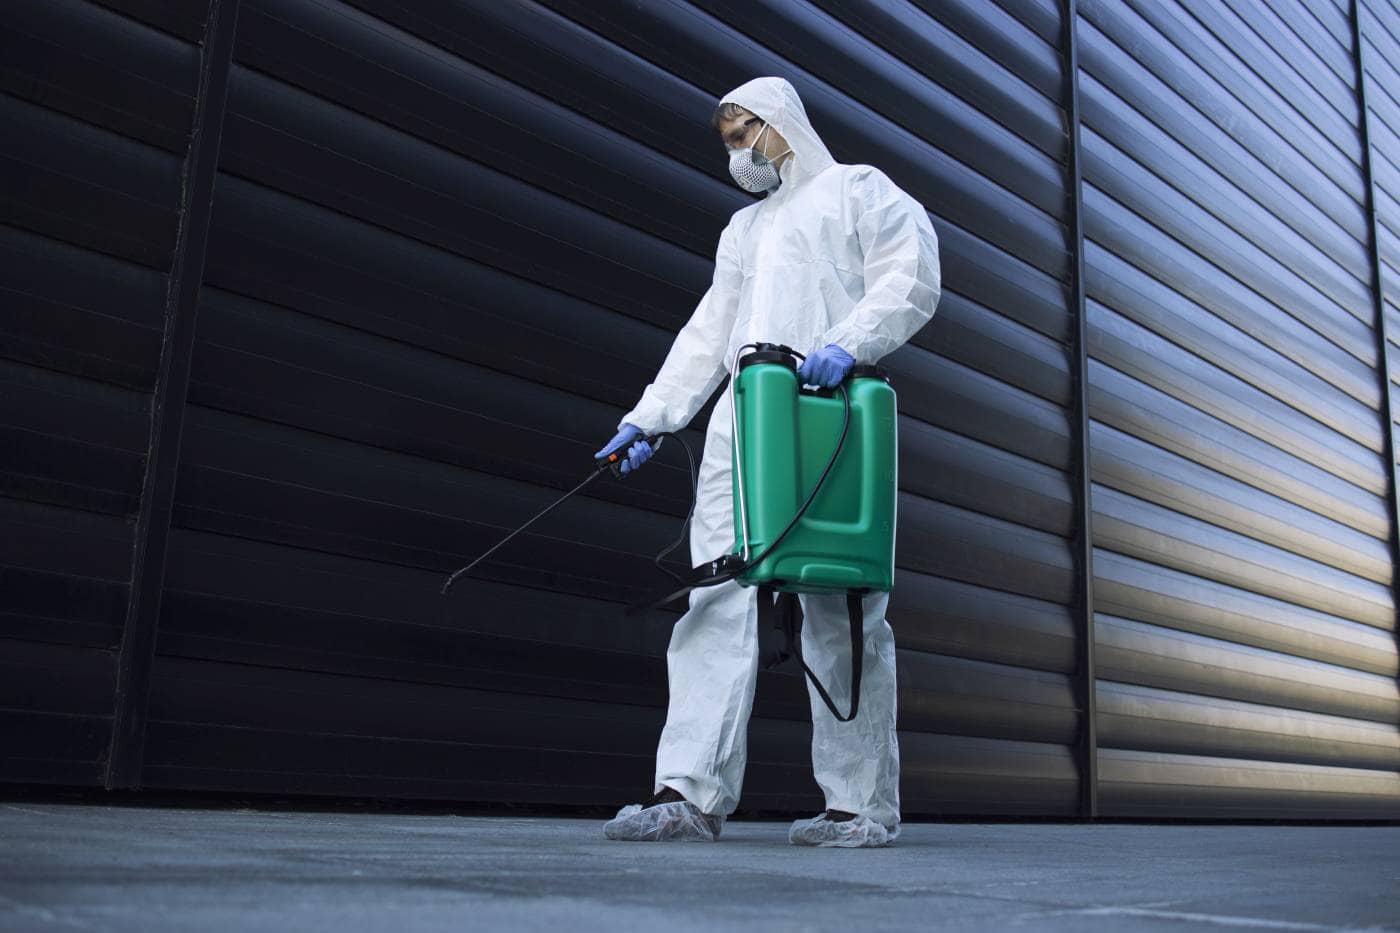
(752, 170)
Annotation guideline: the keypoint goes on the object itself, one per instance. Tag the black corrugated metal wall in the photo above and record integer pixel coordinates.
(1244, 626)
(448, 244)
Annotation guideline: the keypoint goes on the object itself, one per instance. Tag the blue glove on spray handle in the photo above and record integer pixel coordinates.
(825, 367)
(640, 453)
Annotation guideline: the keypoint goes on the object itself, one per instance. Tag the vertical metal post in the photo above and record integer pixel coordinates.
(1377, 295)
(136, 659)
(1085, 678)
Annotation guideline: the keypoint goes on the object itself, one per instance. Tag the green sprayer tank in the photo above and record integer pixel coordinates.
(783, 440)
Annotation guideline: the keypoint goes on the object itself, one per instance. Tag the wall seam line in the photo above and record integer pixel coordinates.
(136, 653)
(1085, 679)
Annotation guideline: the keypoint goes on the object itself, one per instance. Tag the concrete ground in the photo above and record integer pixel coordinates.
(73, 866)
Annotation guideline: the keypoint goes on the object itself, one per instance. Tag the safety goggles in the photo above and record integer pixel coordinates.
(749, 134)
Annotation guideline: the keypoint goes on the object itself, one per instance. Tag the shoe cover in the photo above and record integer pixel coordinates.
(681, 821)
(861, 832)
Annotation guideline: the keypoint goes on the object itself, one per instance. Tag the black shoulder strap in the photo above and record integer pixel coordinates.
(783, 615)
(778, 624)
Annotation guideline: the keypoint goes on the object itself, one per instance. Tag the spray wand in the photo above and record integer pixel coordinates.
(609, 462)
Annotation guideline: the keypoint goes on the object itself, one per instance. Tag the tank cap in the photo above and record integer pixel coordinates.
(768, 356)
(869, 371)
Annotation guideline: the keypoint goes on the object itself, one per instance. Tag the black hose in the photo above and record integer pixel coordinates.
(685, 525)
(840, 442)
(831, 462)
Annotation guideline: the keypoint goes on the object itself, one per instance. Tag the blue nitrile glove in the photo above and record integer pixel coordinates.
(640, 453)
(825, 367)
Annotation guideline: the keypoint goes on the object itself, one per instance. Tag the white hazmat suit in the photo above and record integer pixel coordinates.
(837, 254)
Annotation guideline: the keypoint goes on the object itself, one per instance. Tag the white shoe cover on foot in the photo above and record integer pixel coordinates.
(681, 821)
(861, 832)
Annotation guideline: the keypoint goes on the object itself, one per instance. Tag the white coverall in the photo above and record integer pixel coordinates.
(837, 254)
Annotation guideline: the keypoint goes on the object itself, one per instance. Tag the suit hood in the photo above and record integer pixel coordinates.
(775, 100)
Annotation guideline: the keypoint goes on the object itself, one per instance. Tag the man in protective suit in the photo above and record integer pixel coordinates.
(840, 263)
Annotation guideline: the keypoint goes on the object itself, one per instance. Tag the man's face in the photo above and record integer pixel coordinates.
(742, 132)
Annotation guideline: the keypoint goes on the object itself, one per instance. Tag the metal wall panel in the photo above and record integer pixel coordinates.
(95, 112)
(1237, 481)
(1377, 53)
(449, 243)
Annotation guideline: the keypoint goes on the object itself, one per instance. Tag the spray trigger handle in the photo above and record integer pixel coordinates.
(613, 459)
